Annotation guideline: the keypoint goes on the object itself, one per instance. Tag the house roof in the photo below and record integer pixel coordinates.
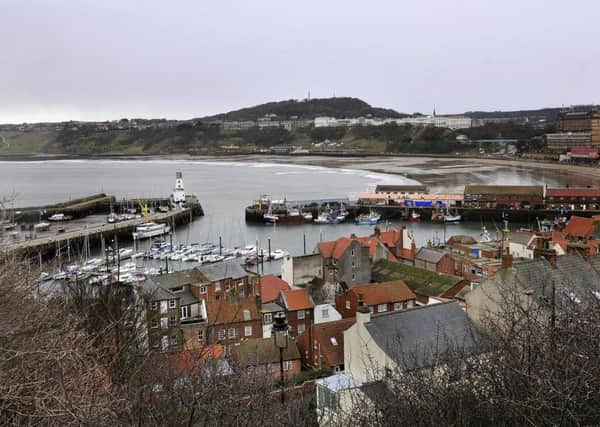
(429, 255)
(579, 227)
(462, 239)
(262, 351)
(156, 292)
(270, 285)
(531, 190)
(403, 187)
(223, 270)
(419, 280)
(380, 293)
(270, 307)
(296, 299)
(414, 338)
(521, 237)
(230, 310)
(176, 279)
(334, 249)
(372, 242)
(332, 350)
(573, 192)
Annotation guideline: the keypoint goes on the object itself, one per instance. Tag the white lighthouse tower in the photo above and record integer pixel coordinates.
(178, 194)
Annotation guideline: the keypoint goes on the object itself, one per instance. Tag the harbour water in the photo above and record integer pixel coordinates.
(225, 188)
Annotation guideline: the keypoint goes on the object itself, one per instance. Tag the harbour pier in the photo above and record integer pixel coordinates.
(53, 245)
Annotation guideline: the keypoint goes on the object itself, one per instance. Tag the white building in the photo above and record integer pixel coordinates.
(299, 271)
(326, 313)
(178, 194)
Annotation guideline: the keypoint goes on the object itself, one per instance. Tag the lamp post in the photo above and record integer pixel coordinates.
(280, 338)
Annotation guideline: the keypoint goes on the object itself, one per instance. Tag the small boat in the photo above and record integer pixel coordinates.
(270, 219)
(414, 216)
(112, 218)
(372, 218)
(452, 219)
(150, 229)
(278, 254)
(308, 216)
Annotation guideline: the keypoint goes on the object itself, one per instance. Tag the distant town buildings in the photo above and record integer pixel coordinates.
(575, 129)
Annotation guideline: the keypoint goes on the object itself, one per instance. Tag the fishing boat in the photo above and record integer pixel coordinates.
(150, 229)
(415, 217)
(278, 254)
(372, 218)
(325, 218)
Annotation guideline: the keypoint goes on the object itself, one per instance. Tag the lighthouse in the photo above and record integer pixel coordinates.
(178, 194)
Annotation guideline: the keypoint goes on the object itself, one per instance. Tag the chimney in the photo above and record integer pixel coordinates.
(363, 314)
(376, 232)
(580, 247)
(543, 248)
(507, 261)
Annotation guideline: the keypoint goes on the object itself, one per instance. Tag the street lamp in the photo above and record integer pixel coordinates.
(280, 338)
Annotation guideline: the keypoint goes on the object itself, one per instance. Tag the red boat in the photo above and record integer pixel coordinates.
(414, 216)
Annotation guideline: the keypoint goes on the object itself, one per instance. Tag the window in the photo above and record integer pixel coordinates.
(397, 306)
(333, 341)
(333, 261)
(173, 339)
(154, 305)
(201, 335)
(371, 309)
(164, 322)
(268, 318)
(301, 314)
(203, 289)
(353, 277)
(221, 334)
(246, 314)
(325, 313)
(172, 321)
(381, 308)
(241, 292)
(231, 333)
(247, 331)
(164, 306)
(410, 304)
(337, 368)
(218, 286)
(177, 289)
(185, 311)
(287, 365)
(353, 253)
(353, 265)
(172, 303)
(348, 305)
(154, 323)
(301, 328)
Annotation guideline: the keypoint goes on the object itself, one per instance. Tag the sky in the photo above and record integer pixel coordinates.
(109, 59)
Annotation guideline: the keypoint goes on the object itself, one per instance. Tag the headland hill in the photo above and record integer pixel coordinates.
(338, 131)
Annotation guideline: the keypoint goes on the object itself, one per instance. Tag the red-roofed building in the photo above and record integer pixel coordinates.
(580, 227)
(230, 320)
(299, 308)
(322, 346)
(379, 297)
(399, 241)
(270, 286)
(575, 198)
(345, 260)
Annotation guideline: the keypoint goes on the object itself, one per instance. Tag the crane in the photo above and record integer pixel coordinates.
(144, 208)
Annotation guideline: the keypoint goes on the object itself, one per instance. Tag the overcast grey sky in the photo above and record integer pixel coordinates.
(106, 59)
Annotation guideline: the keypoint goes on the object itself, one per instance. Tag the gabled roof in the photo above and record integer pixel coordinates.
(381, 293)
(176, 279)
(261, 351)
(372, 242)
(232, 310)
(156, 292)
(330, 336)
(579, 227)
(414, 338)
(270, 285)
(429, 255)
(521, 237)
(222, 270)
(296, 299)
(334, 249)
